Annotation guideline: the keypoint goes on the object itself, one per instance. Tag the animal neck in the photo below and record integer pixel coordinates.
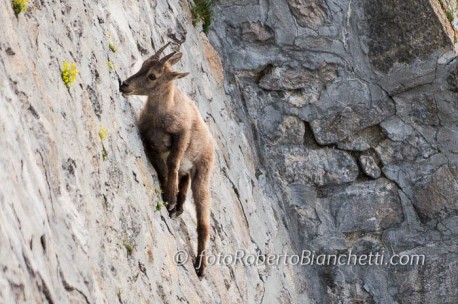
(163, 97)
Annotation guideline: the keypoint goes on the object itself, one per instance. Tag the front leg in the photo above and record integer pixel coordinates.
(158, 163)
(180, 142)
(159, 166)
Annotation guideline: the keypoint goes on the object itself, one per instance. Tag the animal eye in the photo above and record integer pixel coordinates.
(151, 77)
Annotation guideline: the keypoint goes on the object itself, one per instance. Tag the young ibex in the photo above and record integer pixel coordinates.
(176, 141)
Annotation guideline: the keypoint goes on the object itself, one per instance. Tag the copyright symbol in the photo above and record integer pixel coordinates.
(181, 257)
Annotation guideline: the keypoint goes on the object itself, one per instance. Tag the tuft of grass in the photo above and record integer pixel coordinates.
(112, 47)
(112, 66)
(69, 73)
(103, 133)
(104, 154)
(20, 6)
(161, 204)
(202, 11)
(129, 247)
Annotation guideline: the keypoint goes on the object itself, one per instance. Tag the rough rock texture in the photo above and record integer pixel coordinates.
(365, 207)
(369, 166)
(308, 100)
(371, 89)
(77, 229)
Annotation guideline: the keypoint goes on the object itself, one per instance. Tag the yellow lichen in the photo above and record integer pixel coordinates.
(103, 133)
(20, 6)
(112, 66)
(69, 73)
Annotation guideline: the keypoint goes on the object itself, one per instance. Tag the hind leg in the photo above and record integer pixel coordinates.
(183, 187)
(201, 194)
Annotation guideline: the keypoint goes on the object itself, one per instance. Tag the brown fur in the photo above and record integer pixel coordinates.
(176, 140)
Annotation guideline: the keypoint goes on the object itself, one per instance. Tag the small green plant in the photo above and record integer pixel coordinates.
(112, 66)
(119, 295)
(202, 11)
(104, 154)
(112, 47)
(20, 6)
(129, 247)
(69, 73)
(449, 14)
(113, 43)
(103, 133)
(161, 204)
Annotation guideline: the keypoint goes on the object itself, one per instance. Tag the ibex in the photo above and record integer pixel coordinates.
(176, 141)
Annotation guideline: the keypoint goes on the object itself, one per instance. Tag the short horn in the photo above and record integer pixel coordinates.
(164, 60)
(158, 53)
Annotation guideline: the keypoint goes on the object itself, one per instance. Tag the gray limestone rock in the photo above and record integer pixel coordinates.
(369, 166)
(289, 78)
(368, 206)
(402, 31)
(390, 99)
(414, 147)
(437, 276)
(396, 129)
(452, 81)
(78, 219)
(322, 167)
(362, 140)
(351, 119)
(257, 32)
(436, 195)
(290, 131)
(308, 14)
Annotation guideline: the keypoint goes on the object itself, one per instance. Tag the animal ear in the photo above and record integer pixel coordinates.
(174, 58)
(178, 75)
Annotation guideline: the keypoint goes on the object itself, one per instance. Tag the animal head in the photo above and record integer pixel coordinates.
(154, 74)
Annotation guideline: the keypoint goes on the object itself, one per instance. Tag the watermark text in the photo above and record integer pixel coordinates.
(306, 258)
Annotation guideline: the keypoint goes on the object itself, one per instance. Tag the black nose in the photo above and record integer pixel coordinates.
(123, 86)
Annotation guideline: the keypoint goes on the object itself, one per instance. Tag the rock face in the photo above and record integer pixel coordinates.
(365, 207)
(336, 129)
(80, 227)
(370, 88)
(369, 166)
(393, 36)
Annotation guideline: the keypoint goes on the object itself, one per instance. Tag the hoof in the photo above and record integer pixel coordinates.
(174, 213)
(171, 203)
(164, 198)
(200, 274)
(200, 269)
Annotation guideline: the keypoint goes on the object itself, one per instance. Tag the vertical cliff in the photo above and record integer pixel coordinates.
(353, 109)
(78, 219)
(336, 129)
